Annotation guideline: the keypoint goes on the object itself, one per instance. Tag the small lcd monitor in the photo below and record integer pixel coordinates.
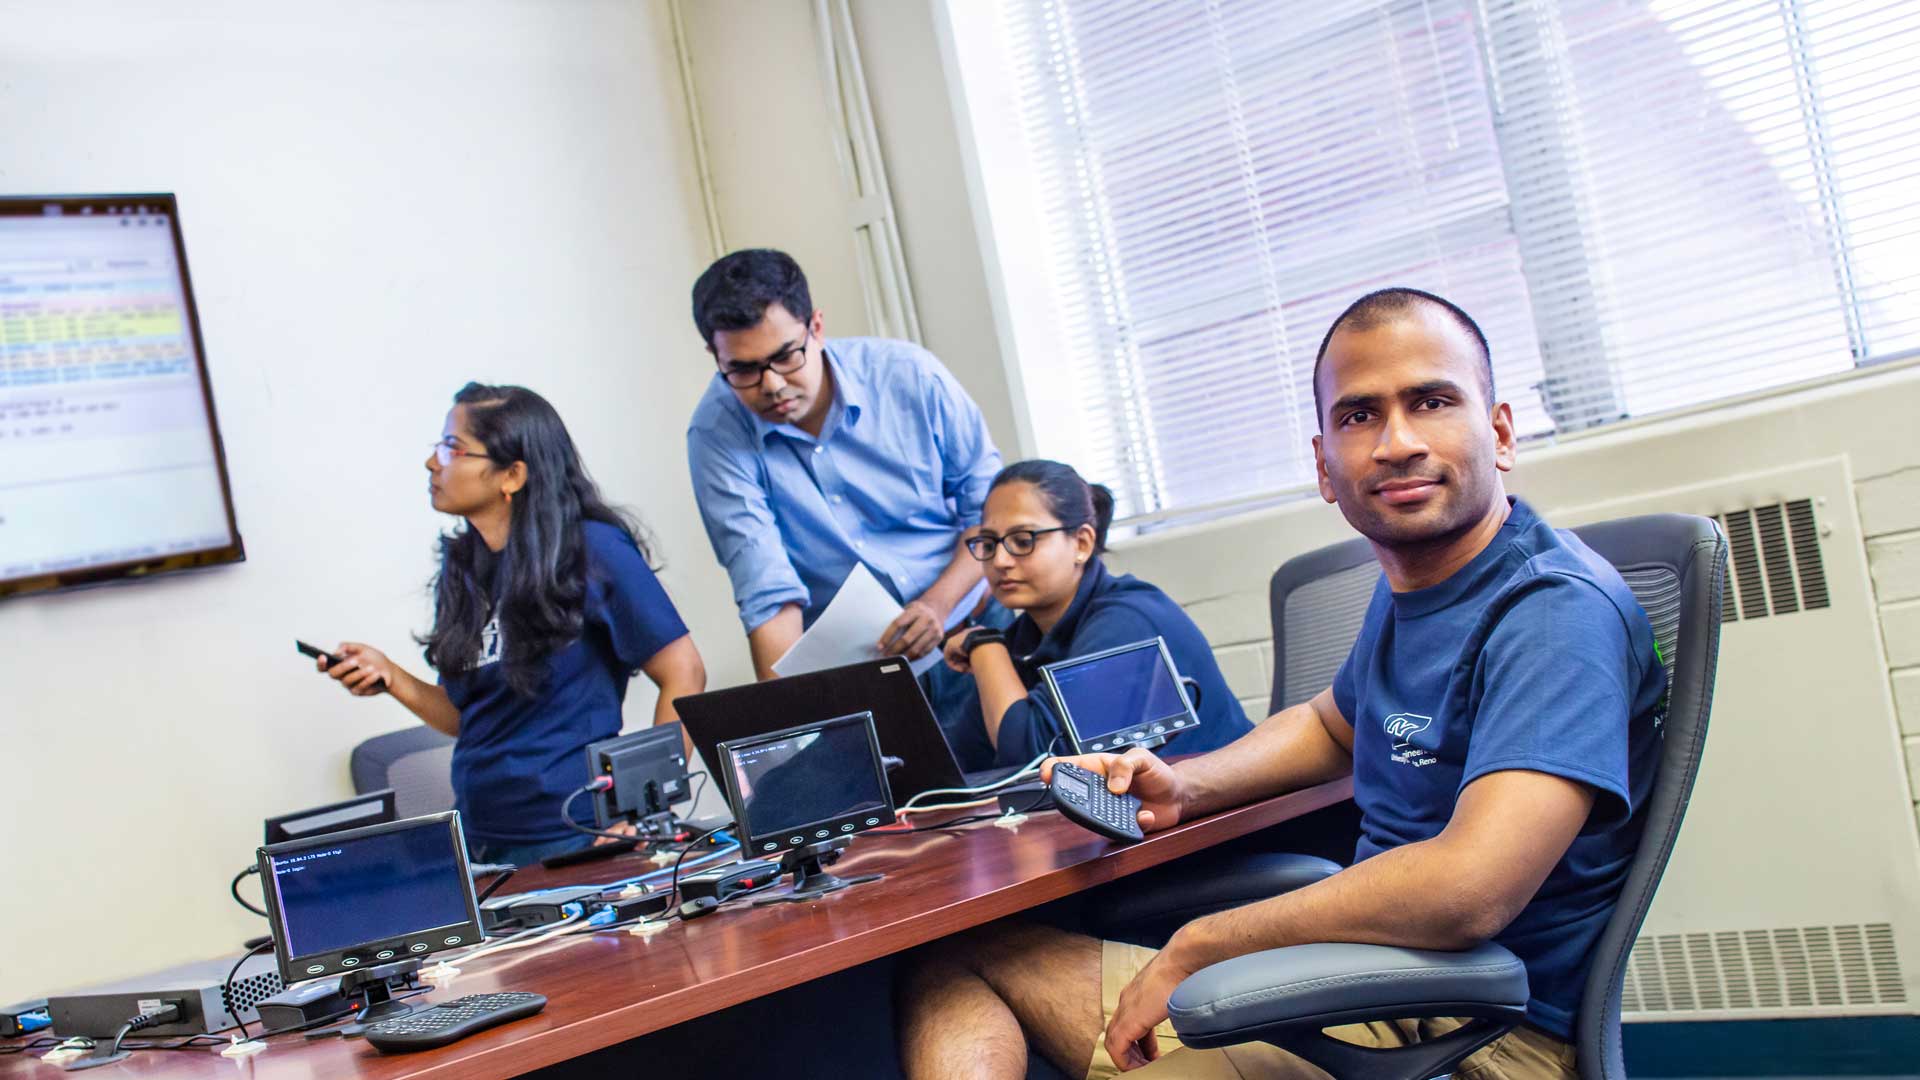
(369, 897)
(807, 785)
(373, 808)
(1131, 695)
(649, 773)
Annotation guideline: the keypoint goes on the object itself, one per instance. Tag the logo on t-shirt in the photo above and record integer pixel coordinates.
(1401, 728)
(489, 643)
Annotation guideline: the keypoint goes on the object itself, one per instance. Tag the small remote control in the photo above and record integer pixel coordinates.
(451, 1021)
(1083, 798)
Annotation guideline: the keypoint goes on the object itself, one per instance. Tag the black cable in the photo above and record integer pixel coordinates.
(673, 887)
(566, 815)
(235, 890)
(226, 988)
(41, 1043)
(494, 885)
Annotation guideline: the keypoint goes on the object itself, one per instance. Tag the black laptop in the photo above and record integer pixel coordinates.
(885, 687)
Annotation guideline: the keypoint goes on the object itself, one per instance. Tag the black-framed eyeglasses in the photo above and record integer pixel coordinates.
(747, 374)
(1019, 542)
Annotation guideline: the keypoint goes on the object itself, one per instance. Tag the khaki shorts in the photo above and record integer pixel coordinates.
(1524, 1052)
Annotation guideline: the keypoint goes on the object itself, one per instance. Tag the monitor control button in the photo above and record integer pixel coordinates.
(1159, 729)
(453, 939)
(417, 947)
(349, 961)
(770, 845)
(383, 954)
(315, 969)
(822, 834)
(796, 839)
(873, 821)
(1139, 734)
(848, 827)
(1099, 746)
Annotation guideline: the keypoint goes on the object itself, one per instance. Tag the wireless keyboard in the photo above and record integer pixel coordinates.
(451, 1021)
(1083, 799)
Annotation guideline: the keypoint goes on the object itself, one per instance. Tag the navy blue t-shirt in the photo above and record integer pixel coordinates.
(1109, 610)
(1533, 656)
(518, 757)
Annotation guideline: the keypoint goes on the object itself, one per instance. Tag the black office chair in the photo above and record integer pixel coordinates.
(417, 763)
(1676, 566)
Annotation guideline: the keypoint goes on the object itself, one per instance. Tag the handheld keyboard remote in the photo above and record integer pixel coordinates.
(1083, 798)
(451, 1021)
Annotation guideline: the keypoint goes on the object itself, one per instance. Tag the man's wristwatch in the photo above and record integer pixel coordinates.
(980, 635)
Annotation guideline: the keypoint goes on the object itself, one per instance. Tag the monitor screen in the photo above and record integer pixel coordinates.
(110, 459)
(1122, 696)
(808, 784)
(367, 896)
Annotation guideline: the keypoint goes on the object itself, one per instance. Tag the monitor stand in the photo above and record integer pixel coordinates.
(372, 989)
(808, 865)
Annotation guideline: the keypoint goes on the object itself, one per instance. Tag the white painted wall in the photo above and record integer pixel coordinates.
(769, 132)
(381, 199)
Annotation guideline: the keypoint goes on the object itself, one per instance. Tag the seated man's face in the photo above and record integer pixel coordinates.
(778, 337)
(1410, 448)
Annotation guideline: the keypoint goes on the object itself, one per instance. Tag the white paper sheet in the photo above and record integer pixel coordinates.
(847, 631)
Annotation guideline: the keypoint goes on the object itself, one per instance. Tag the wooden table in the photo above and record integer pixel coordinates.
(607, 988)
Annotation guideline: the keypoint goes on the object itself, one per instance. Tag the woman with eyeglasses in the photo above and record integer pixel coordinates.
(544, 608)
(1041, 537)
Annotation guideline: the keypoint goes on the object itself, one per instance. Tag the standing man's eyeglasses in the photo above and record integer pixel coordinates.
(747, 374)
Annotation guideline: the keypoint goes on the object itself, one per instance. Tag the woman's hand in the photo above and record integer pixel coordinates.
(955, 650)
(363, 669)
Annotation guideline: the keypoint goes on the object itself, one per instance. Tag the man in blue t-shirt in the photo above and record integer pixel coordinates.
(1499, 715)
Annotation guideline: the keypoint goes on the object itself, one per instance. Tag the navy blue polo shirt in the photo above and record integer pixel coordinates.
(1533, 656)
(1108, 610)
(517, 757)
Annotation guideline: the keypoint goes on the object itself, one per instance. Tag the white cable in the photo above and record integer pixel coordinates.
(947, 806)
(516, 942)
(1026, 770)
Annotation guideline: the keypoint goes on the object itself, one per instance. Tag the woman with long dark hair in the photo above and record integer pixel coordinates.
(1041, 535)
(544, 608)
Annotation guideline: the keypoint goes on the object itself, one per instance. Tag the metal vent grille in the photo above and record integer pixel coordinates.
(1775, 568)
(1763, 970)
(250, 991)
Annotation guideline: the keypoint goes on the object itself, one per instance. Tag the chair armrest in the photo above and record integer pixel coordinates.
(1299, 990)
(1151, 906)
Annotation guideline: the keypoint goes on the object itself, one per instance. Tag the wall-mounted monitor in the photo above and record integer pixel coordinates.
(111, 464)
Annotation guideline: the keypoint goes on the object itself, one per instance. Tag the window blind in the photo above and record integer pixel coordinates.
(1647, 204)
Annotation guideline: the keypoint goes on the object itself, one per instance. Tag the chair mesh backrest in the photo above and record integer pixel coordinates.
(1676, 566)
(1319, 600)
(416, 763)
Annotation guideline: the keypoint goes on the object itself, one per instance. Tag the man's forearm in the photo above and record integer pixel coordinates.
(1410, 896)
(770, 640)
(1290, 750)
(962, 573)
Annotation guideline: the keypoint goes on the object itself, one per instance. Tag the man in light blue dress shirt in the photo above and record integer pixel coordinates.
(810, 456)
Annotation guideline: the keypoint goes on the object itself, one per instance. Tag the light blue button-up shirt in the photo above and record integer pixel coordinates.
(900, 470)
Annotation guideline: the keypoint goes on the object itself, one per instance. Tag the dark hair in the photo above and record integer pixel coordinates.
(541, 574)
(1383, 305)
(735, 292)
(1074, 501)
